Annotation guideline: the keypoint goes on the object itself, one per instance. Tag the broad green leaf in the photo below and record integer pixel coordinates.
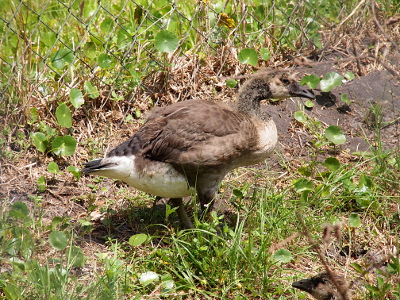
(282, 256)
(56, 220)
(335, 135)
(13, 291)
(19, 210)
(85, 223)
(117, 96)
(317, 38)
(49, 38)
(265, 54)
(50, 131)
(90, 90)
(166, 41)
(58, 240)
(300, 116)
(76, 97)
(122, 38)
(107, 25)
(332, 163)
(64, 116)
(302, 185)
(33, 114)
(311, 80)
(394, 266)
(349, 76)
(138, 239)
(148, 277)
(309, 103)
(168, 285)
(52, 167)
(19, 263)
(374, 289)
(232, 83)
(238, 193)
(330, 81)
(41, 184)
(138, 113)
(61, 58)
(248, 56)
(135, 72)
(89, 8)
(40, 141)
(105, 61)
(63, 145)
(75, 171)
(102, 256)
(312, 25)
(364, 183)
(129, 119)
(137, 16)
(354, 220)
(305, 171)
(90, 50)
(75, 256)
(345, 99)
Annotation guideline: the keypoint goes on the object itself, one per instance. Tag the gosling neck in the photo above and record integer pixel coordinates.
(250, 96)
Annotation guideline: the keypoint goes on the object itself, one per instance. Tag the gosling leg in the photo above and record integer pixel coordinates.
(185, 220)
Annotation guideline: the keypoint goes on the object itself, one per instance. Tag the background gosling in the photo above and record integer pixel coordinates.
(322, 287)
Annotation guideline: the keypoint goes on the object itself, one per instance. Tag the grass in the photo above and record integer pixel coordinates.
(67, 237)
(238, 258)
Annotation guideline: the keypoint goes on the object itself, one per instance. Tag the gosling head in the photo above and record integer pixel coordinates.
(262, 87)
(321, 286)
(283, 86)
(275, 86)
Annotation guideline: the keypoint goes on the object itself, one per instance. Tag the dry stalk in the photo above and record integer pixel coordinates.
(343, 291)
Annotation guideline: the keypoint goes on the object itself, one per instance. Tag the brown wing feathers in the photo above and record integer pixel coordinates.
(170, 139)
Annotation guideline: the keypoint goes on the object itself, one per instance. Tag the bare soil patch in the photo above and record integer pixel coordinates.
(378, 90)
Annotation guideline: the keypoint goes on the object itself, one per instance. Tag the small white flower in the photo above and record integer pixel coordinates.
(148, 277)
(169, 284)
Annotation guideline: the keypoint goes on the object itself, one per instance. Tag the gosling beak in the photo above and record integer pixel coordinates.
(304, 285)
(303, 92)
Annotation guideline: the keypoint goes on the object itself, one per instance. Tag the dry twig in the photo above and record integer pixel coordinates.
(343, 291)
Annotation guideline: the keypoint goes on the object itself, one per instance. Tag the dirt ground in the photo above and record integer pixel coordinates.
(357, 120)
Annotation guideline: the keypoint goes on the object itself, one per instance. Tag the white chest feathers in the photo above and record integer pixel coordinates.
(156, 178)
(268, 137)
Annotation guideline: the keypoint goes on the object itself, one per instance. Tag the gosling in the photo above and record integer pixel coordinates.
(322, 287)
(191, 145)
